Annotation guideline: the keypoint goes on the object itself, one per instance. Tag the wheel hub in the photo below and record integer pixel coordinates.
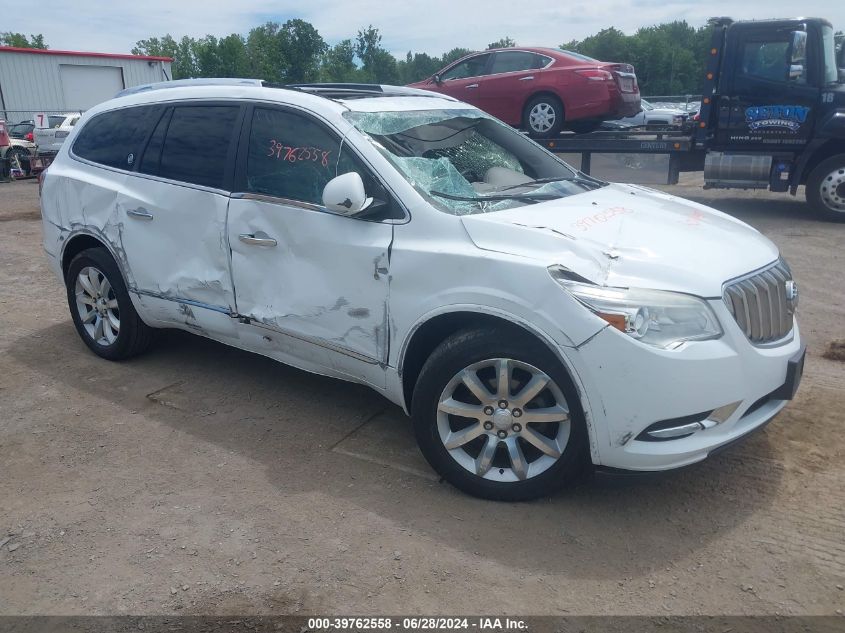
(832, 190)
(503, 419)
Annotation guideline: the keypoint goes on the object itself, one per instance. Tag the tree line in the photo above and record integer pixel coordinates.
(669, 58)
(295, 52)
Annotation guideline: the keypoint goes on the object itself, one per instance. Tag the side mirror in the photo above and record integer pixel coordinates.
(345, 194)
(796, 71)
(798, 47)
(437, 79)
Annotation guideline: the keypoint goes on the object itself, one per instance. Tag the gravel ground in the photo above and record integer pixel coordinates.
(202, 479)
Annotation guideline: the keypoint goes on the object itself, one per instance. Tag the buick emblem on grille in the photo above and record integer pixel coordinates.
(791, 293)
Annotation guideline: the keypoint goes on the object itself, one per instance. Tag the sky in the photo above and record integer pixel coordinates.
(432, 26)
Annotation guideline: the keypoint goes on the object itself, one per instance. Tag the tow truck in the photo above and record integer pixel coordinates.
(772, 115)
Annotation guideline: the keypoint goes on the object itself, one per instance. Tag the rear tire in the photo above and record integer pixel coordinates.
(101, 308)
(826, 189)
(491, 451)
(543, 116)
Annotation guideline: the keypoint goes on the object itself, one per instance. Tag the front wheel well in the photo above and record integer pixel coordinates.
(543, 93)
(75, 246)
(829, 149)
(436, 330)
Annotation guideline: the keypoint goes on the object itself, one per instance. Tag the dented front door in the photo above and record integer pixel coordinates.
(315, 276)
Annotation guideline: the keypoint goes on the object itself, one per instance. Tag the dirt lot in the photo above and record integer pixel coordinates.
(202, 479)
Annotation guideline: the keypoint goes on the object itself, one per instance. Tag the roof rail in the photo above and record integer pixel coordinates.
(180, 83)
(327, 90)
(355, 90)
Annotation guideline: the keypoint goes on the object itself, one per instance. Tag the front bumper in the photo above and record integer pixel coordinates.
(628, 386)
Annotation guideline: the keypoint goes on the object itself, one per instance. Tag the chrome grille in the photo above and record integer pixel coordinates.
(760, 305)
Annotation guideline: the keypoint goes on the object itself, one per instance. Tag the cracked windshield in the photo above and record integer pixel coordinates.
(465, 162)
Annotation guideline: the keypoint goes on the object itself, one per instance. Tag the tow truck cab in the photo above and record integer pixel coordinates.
(777, 110)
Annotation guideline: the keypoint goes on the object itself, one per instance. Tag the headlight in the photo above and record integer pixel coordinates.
(656, 317)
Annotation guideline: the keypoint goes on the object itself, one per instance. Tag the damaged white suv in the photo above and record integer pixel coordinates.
(530, 318)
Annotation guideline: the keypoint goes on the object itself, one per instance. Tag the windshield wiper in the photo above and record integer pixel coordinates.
(496, 198)
(584, 181)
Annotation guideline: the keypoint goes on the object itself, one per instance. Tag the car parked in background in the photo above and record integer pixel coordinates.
(23, 130)
(19, 151)
(50, 139)
(541, 90)
(654, 116)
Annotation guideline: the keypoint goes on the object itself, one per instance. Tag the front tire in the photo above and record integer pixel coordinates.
(543, 116)
(826, 188)
(497, 416)
(101, 308)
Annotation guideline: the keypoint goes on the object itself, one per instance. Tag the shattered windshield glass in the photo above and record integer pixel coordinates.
(464, 161)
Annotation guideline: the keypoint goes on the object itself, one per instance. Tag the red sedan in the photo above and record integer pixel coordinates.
(541, 90)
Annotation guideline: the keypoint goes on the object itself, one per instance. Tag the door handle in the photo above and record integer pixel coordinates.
(526, 78)
(472, 86)
(141, 213)
(259, 238)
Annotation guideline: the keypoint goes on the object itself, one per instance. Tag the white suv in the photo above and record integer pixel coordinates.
(530, 318)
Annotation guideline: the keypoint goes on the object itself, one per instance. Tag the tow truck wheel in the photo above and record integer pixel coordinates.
(826, 188)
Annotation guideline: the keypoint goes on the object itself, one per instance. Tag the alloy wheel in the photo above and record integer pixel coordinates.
(503, 420)
(97, 306)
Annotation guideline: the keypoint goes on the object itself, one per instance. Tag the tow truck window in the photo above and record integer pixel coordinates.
(767, 60)
(831, 73)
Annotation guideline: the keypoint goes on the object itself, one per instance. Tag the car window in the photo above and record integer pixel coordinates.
(579, 56)
(293, 157)
(464, 161)
(472, 67)
(512, 61)
(55, 120)
(766, 60)
(114, 138)
(197, 143)
(151, 160)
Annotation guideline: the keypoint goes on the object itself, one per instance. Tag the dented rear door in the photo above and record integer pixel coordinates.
(173, 209)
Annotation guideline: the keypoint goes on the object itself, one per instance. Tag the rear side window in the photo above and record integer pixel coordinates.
(196, 145)
(114, 138)
(512, 61)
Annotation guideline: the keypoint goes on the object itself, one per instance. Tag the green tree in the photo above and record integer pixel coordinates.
(266, 58)
(183, 53)
(338, 63)
(19, 40)
(505, 42)
(303, 49)
(668, 58)
(377, 64)
(417, 66)
(452, 55)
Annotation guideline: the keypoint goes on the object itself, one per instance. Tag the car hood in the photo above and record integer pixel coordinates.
(629, 236)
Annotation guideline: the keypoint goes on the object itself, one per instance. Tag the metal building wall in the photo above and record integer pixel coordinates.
(30, 82)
